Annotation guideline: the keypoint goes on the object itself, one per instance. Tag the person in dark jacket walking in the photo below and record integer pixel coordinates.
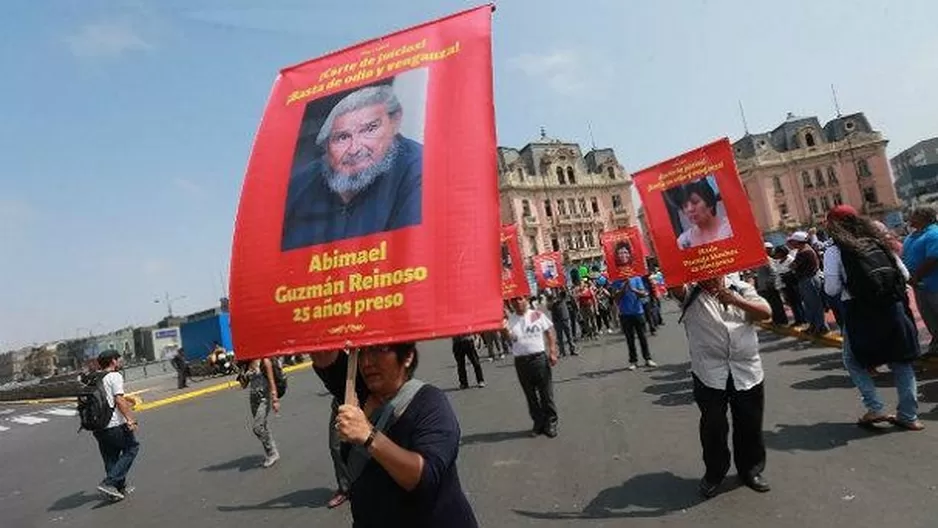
(182, 368)
(560, 316)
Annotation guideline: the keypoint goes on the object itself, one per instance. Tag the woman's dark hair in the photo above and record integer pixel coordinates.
(702, 189)
(848, 231)
(623, 244)
(402, 351)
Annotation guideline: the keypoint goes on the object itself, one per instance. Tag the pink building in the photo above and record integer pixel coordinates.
(562, 200)
(797, 172)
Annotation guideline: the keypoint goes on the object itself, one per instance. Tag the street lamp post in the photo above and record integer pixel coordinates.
(169, 302)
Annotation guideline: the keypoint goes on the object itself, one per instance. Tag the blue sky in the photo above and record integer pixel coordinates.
(125, 125)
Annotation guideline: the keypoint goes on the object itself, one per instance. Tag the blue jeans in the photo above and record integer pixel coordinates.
(810, 290)
(118, 448)
(904, 375)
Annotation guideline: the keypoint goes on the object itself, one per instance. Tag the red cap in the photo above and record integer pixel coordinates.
(841, 212)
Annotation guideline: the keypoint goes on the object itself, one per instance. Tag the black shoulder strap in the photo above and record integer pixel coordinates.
(692, 295)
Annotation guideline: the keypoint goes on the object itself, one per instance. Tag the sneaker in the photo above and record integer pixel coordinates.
(128, 490)
(651, 363)
(481, 384)
(110, 491)
(271, 459)
(633, 366)
(609, 331)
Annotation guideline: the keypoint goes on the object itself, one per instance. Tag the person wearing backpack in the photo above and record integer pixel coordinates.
(116, 440)
(260, 379)
(861, 269)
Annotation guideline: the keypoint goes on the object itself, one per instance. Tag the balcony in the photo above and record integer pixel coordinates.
(530, 221)
(576, 255)
(621, 216)
(576, 219)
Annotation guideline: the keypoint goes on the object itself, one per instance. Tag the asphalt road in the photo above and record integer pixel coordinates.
(627, 450)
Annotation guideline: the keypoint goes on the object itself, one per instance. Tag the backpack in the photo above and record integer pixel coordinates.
(872, 274)
(280, 379)
(94, 412)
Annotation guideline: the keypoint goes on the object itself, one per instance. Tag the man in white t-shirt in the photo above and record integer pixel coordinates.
(534, 348)
(117, 442)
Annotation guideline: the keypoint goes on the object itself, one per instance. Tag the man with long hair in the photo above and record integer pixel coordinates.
(861, 270)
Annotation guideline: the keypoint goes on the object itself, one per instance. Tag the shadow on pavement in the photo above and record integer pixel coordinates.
(779, 346)
(882, 380)
(832, 361)
(818, 437)
(597, 374)
(672, 372)
(311, 498)
(245, 463)
(642, 496)
(75, 500)
(672, 394)
(491, 438)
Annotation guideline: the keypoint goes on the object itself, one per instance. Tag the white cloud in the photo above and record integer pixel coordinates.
(187, 185)
(106, 40)
(560, 70)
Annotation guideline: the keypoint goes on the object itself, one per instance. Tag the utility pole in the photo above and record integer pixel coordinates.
(169, 302)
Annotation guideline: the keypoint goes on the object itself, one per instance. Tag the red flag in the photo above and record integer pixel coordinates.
(548, 270)
(358, 223)
(699, 215)
(624, 253)
(514, 282)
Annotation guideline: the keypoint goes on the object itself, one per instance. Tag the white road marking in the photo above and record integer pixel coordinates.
(28, 420)
(6, 411)
(2, 428)
(58, 411)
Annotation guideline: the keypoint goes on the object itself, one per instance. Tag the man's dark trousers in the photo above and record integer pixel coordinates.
(564, 335)
(632, 326)
(779, 317)
(462, 349)
(118, 447)
(536, 379)
(748, 445)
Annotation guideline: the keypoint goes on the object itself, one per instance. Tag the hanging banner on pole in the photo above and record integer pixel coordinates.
(699, 215)
(514, 281)
(624, 253)
(357, 224)
(548, 270)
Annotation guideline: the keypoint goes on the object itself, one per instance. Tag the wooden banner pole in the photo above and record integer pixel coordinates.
(351, 375)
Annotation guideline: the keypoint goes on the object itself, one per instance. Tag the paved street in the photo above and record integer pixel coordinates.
(627, 450)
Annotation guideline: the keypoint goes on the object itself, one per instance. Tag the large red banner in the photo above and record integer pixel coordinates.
(548, 270)
(624, 253)
(369, 212)
(514, 282)
(699, 215)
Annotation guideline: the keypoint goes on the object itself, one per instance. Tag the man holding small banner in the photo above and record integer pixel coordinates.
(703, 230)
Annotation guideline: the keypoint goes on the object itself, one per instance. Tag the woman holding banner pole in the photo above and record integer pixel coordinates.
(400, 445)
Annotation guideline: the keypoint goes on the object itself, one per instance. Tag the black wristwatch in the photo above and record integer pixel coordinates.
(371, 438)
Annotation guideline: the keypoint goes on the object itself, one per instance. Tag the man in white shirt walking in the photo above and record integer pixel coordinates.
(117, 442)
(534, 348)
(724, 351)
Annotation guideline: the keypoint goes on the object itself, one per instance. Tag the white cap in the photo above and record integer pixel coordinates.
(768, 245)
(799, 236)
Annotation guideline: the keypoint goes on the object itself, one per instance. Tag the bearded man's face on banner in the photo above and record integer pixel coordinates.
(361, 138)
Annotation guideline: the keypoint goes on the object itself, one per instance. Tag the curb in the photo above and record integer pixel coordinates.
(231, 384)
(66, 399)
(831, 340)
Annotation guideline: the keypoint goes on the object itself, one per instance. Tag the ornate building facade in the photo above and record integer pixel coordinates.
(561, 199)
(794, 174)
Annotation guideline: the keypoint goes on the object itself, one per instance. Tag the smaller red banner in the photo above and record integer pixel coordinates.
(699, 215)
(624, 253)
(514, 283)
(548, 270)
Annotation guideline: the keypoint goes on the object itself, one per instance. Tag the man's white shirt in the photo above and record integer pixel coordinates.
(527, 332)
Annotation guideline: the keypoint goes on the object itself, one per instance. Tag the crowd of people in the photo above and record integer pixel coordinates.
(394, 448)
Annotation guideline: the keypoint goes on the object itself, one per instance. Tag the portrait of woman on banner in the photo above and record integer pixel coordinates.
(698, 213)
(623, 254)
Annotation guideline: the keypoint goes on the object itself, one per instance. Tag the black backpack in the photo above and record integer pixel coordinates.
(94, 412)
(872, 274)
(280, 379)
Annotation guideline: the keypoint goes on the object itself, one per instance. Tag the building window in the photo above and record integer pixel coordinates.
(812, 205)
(863, 169)
(554, 243)
(533, 242)
(520, 174)
(818, 178)
(869, 195)
(806, 180)
(568, 242)
(611, 172)
(570, 176)
(561, 208)
(838, 199)
(525, 208)
(590, 241)
(571, 205)
(809, 139)
(616, 202)
(583, 208)
(777, 184)
(548, 210)
(783, 209)
(560, 177)
(832, 177)
(578, 240)
(595, 203)
(825, 203)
